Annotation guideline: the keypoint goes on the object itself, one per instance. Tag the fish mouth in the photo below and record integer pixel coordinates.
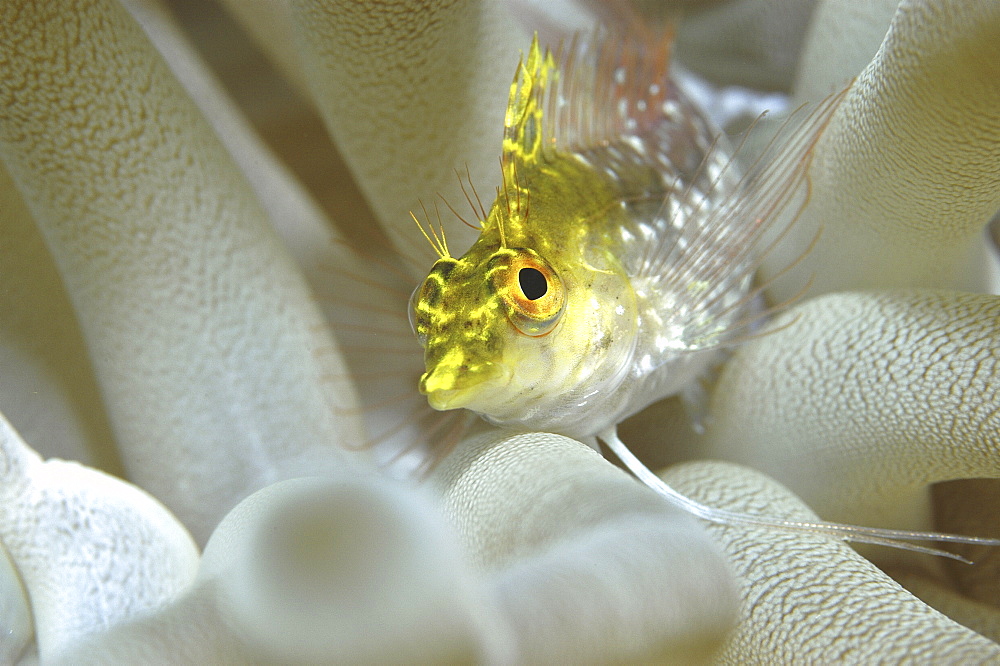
(457, 388)
(445, 399)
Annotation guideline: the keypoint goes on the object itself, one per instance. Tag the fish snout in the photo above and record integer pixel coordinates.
(456, 386)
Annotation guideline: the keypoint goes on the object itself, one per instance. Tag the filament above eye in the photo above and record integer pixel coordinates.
(533, 283)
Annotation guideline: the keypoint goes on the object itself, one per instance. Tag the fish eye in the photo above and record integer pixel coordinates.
(532, 292)
(532, 282)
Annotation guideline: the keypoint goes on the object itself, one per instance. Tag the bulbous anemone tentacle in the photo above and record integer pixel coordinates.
(908, 172)
(305, 570)
(306, 567)
(91, 549)
(588, 565)
(166, 256)
(401, 84)
(817, 605)
(886, 392)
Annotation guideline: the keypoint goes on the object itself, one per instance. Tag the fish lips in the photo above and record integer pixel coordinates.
(463, 387)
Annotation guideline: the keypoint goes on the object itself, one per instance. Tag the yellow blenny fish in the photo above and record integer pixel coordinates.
(617, 259)
(597, 277)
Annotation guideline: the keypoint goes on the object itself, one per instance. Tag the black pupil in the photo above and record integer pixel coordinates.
(533, 284)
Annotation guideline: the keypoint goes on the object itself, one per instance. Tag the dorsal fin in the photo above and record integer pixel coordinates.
(523, 134)
(602, 88)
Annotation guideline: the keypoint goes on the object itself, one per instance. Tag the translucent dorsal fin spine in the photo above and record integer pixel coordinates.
(763, 194)
(776, 190)
(883, 537)
(726, 248)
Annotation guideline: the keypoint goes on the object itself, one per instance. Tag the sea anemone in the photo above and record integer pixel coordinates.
(168, 288)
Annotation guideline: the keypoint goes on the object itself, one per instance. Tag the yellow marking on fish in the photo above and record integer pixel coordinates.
(523, 119)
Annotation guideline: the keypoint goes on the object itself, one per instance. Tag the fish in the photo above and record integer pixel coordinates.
(617, 262)
(606, 270)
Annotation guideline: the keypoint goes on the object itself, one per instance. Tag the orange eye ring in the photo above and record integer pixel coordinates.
(533, 293)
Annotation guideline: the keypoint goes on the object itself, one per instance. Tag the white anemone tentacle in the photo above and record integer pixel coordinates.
(907, 174)
(92, 550)
(166, 256)
(819, 604)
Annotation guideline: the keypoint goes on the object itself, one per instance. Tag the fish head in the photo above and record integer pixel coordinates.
(466, 309)
(515, 336)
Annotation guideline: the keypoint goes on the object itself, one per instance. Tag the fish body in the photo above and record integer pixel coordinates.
(615, 262)
(604, 277)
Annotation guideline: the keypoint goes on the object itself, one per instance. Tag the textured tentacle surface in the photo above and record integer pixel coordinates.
(885, 391)
(588, 565)
(91, 550)
(166, 256)
(819, 601)
(398, 84)
(305, 569)
(960, 605)
(908, 172)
